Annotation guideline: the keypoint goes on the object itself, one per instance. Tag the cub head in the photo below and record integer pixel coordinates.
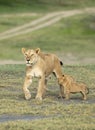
(31, 56)
(61, 79)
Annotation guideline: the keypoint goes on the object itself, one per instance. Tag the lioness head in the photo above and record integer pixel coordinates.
(31, 56)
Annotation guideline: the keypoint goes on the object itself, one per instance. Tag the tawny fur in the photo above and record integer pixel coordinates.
(39, 65)
(69, 85)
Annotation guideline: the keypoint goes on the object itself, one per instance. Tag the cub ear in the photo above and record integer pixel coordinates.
(23, 50)
(37, 50)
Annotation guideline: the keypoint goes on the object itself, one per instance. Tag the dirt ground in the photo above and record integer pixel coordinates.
(67, 59)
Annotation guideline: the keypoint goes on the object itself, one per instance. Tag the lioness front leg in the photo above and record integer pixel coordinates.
(41, 88)
(27, 83)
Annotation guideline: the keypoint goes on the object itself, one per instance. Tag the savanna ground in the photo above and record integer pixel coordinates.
(73, 40)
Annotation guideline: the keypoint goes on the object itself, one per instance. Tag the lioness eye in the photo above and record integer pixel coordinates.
(32, 54)
(25, 54)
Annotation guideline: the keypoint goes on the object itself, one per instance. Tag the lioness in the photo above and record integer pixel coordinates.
(68, 85)
(39, 65)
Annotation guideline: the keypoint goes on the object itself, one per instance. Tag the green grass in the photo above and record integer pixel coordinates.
(51, 124)
(15, 6)
(75, 35)
(12, 21)
(74, 114)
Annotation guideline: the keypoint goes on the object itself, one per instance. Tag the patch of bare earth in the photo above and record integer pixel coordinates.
(67, 59)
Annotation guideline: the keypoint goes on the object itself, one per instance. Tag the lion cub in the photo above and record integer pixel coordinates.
(68, 85)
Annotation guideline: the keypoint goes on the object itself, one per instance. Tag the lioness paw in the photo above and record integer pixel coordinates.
(27, 96)
(39, 98)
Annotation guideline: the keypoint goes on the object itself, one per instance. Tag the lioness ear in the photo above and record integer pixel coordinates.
(23, 50)
(37, 50)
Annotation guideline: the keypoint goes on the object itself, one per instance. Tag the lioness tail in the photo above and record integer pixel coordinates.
(61, 63)
(87, 90)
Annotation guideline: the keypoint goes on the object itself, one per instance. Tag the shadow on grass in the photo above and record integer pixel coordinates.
(4, 118)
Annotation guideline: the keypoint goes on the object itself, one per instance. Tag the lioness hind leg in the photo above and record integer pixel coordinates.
(27, 83)
(41, 88)
(58, 73)
(84, 95)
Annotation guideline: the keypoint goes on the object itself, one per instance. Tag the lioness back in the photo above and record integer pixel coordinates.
(52, 63)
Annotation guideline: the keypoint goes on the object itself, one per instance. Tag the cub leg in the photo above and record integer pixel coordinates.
(41, 88)
(67, 94)
(61, 94)
(27, 83)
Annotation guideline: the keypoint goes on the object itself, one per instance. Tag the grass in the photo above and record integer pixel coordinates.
(74, 114)
(61, 36)
(51, 124)
(10, 21)
(15, 6)
(74, 35)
